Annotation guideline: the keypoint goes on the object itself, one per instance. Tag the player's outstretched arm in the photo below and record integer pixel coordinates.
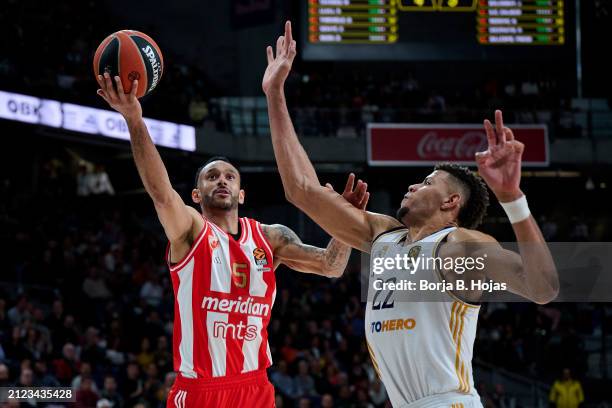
(331, 261)
(176, 218)
(535, 275)
(330, 210)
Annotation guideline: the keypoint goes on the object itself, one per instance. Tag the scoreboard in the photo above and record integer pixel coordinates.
(436, 29)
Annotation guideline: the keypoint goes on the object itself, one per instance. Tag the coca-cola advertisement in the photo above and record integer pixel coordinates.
(426, 144)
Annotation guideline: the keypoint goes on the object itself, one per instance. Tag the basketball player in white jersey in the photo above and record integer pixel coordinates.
(222, 269)
(422, 350)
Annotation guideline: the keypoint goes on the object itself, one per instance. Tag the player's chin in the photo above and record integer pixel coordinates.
(401, 212)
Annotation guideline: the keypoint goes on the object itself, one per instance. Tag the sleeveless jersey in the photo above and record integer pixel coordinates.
(224, 290)
(420, 349)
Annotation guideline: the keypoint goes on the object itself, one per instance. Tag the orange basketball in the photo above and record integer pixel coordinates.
(131, 55)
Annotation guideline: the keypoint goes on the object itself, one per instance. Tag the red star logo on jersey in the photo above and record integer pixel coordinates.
(213, 242)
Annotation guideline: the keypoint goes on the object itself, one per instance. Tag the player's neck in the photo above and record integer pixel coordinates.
(227, 220)
(420, 230)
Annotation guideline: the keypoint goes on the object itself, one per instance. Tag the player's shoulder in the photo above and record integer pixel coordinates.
(469, 235)
(382, 223)
(274, 232)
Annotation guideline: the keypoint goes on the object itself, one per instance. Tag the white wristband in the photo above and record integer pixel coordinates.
(517, 210)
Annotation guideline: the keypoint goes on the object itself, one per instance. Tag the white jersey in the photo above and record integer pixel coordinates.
(421, 350)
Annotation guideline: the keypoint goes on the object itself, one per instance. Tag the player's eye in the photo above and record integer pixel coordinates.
(212, 177)
(231, 177)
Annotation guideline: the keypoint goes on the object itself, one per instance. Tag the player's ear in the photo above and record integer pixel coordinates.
(451, 201)
(196, 196)
(241, 196)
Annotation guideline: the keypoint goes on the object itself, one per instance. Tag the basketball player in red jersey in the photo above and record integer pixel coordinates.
(222, 270)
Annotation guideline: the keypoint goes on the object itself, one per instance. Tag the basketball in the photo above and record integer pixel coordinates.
(131, 55)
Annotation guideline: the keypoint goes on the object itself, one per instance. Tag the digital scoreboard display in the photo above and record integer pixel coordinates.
(437, 29)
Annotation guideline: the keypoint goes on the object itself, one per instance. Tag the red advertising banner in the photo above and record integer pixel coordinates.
(396, 144)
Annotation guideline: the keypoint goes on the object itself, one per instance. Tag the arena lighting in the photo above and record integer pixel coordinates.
(84, 119)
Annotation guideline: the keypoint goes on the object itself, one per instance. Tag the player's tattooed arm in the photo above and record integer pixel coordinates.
(290, 250)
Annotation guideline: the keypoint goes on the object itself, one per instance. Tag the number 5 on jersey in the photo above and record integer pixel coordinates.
(238, 275)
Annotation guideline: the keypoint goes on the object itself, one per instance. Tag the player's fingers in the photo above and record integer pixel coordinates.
(364, 202)
(481, 157)
(518, 147)
(329, 186)
(102, 95)
(349, 183)
(134, 90)
(508, 133)
(270, 54)
(288, 34)
(361, 188)
(499, 126)
(100, 80)
(120, 91)
(279, 46)
(292, 50)
(491, 139)
(110, 90)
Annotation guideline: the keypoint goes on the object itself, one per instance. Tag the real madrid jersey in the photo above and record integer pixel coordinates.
(420, 347)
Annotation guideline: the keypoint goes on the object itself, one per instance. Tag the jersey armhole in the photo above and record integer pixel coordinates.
(386, 232)
(178, 265)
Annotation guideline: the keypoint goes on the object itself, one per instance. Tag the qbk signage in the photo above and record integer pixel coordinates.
(83, 119)
(427, 144)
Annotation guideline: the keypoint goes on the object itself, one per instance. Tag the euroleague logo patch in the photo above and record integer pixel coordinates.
(260, 256)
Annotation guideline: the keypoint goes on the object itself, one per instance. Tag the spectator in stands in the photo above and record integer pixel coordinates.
(4, 375)
(67, 366)
(132, 385)
(152, 292)
(86, 397)
(303, 383)
(282, 380)
(20, 311)
(566, 392)
(95, 286)
(43, 377)
(110, 392)
(84, 374)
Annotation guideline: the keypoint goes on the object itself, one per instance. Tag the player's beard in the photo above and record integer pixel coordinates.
(211, 201)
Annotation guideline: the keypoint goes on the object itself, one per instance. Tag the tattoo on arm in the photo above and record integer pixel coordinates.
(331, 261)
(336, 256)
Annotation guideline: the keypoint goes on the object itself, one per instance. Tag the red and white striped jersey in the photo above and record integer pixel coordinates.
(224, 290)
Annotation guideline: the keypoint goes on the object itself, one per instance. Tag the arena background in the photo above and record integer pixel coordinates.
(85, 297)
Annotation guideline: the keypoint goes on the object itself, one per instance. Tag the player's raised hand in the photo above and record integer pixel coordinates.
(126, 104)
(279, 65)
(356, 195)
(500, 164)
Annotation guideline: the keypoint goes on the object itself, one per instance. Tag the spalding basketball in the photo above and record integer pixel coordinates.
(131, 55)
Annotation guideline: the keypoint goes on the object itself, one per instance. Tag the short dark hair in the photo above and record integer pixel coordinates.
(474, 209)
(212, 159)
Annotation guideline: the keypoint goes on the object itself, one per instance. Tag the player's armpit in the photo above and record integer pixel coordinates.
(339, 218)
(291, 251)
